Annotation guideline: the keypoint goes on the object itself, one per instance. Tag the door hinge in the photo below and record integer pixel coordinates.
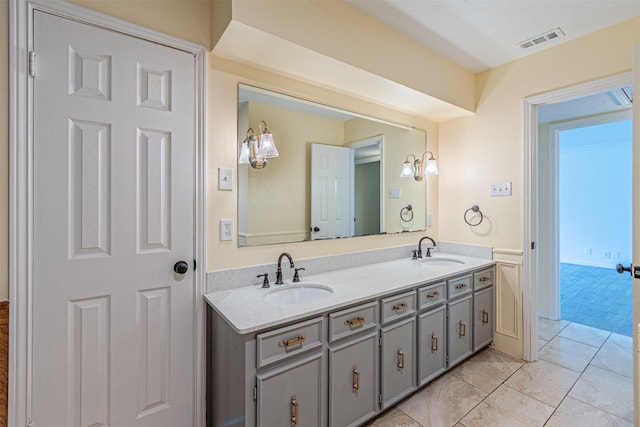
(255, 392)
(32, 64)
(380, 398)
(533, 245)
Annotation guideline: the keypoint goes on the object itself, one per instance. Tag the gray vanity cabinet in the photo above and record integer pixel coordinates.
(291, 395)
(432, 356)
(353, 381)
(483, 313)
(460, 329)
(353, 364)
(397, 361)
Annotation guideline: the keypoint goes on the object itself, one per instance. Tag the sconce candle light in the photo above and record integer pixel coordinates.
(254, 151)
(419, 167)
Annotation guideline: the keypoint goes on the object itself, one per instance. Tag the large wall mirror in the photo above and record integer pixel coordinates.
(337, 174)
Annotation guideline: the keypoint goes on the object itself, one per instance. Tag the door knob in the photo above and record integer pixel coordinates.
(621, 268)
(181, 267)
(316, 229)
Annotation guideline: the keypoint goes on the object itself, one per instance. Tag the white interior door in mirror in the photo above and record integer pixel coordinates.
(331, 188)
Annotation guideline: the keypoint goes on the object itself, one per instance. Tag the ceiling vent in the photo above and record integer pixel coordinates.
(542, 38)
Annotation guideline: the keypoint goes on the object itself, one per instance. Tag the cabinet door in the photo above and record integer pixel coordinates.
(482, 318)
(432, 328)
(353, 381)
(291, 395)
(460, 329)
(398, 361)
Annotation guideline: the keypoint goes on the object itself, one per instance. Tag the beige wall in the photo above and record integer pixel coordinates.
(488, 147)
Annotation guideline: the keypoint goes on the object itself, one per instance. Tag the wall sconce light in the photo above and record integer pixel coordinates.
(419, 167)
(254, 151)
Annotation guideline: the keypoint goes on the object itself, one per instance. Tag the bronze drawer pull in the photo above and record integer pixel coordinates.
(462, 329)
(355, 322)
(436, 294)
(400, 359)
(485, 317)
(292, 341)
(355, 379)
(400, 307)
(485, 278)
(294, 411)
(461, 286)
(434, 342)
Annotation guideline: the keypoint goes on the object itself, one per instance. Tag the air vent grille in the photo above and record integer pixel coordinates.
(542, 38)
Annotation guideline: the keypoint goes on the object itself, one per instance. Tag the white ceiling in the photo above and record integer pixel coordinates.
(482, 34)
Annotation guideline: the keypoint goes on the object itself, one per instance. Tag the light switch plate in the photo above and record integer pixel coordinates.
(394, 193)
(501, 188)
(226, 229)
(225, 179)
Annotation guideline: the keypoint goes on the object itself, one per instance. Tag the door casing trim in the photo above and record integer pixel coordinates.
(530, 170)
(21, 193)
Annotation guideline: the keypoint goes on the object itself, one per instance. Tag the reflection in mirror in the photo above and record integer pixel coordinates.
(337, 174)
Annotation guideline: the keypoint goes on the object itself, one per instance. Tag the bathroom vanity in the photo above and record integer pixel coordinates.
(340, 347)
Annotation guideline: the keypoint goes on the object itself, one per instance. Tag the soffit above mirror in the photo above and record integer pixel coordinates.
(247, 45)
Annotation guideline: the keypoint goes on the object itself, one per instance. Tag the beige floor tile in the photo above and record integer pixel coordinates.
(568, 353)
(573, 412)
(508, 407)
(585, 334)
(616, 355)
(542, 343)
(443, 402)
(605, 390)
(544, 381)
(487, 370)
(547, 329)
(393, 418)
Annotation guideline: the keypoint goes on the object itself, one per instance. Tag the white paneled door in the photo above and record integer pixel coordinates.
(331, 184)
(113, 213)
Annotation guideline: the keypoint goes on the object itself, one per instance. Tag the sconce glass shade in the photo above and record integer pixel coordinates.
(431, 167)
(244, 154)
(267, 147)
(407, 169)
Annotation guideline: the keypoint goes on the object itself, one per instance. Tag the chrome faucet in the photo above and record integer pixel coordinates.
(428, 255)
(279, 270)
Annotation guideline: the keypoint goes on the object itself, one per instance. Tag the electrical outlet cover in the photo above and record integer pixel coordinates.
(226, 229)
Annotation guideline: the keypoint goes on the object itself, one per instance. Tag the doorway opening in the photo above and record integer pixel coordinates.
(585, 211)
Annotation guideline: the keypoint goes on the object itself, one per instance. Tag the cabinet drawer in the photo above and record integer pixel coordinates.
(398, 307)
(432, 295)
(483, 279)
(352, 321)
(460, 286)
(286, 342)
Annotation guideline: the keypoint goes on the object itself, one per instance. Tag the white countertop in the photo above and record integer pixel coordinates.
(246, 310)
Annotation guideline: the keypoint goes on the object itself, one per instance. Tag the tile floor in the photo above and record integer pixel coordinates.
(583, 378)
(597, 297)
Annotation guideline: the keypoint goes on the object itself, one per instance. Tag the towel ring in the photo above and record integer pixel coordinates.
(474, 209)
(406, 213)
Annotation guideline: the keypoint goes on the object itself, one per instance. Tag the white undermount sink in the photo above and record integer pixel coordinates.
(298, 294)
(442, 262)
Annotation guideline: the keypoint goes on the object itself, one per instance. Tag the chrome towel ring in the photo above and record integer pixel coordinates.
(474, 209)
